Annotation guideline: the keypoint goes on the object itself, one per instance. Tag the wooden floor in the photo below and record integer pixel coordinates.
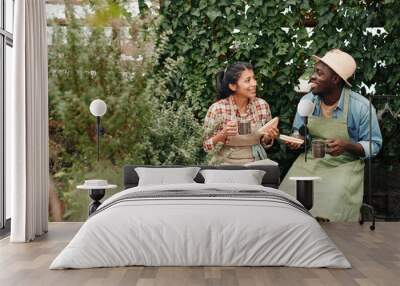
(375, 256)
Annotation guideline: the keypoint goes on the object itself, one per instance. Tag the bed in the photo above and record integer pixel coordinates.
(201, 224)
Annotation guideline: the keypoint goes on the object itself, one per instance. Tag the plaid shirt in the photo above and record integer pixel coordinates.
(224, 110)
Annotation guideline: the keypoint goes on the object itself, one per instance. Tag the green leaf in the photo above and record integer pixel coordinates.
(213, 14)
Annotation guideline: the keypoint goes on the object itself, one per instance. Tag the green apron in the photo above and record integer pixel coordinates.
(338, 195)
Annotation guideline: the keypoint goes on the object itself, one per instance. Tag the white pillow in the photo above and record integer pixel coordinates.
(165, 176)
(249, 177)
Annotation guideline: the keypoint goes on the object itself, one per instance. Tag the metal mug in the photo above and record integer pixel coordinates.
(318, 148)
(244, 127)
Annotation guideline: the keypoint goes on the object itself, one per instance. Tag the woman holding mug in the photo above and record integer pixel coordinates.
(232, 122)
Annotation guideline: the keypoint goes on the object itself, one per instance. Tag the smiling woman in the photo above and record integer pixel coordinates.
(232, 123)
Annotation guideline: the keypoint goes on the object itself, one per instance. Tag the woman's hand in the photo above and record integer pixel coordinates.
(270, 133)
(231, 129)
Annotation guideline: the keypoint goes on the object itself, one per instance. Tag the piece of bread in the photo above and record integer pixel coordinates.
(273, 122)
(291, 139)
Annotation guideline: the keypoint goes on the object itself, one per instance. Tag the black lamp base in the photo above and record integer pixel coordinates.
(96, 195)
(305, 193)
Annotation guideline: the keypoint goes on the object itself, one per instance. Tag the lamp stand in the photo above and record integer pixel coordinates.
(305, 138)
(98, 136)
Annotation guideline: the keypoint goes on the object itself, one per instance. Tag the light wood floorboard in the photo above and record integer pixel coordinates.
(374, 255)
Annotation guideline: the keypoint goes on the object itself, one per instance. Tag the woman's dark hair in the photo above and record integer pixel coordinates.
(230, 75)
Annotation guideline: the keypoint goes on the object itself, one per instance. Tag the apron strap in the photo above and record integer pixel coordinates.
(346, 94)
(346, 103)
(258, 152)
(234, 109)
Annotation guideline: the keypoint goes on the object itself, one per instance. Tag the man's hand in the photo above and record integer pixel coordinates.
(336, 147)
(292, 145)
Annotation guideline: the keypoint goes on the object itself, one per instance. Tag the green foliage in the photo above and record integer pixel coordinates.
(82, 69)
(157, 100)
(176, 136)
(85, 63)
(203, 36)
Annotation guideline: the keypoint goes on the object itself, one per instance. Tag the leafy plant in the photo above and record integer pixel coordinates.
(158, 95)
(85, 63)
(278, 37)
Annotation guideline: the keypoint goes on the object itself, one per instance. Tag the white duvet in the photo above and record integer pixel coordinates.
(200, 231)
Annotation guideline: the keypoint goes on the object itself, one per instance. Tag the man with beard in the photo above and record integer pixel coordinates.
(341, 119)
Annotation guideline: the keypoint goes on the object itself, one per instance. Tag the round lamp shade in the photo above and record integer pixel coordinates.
(305, 108)
(98, 107)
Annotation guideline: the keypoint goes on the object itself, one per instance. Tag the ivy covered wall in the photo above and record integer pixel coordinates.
(197, 38)
(156, 105)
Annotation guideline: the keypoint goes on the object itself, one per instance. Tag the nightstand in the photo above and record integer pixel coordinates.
(304, 190)
(97, 190)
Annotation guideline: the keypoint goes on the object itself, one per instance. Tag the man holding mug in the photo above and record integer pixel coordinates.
(341, 119)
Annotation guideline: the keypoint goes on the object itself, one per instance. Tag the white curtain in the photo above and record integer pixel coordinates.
(27, 155)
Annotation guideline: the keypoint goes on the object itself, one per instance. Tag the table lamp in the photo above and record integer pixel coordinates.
(305, 108)
(98, 108)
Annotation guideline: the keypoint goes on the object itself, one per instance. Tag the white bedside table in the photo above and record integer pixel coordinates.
(304, 190)
(97, 190)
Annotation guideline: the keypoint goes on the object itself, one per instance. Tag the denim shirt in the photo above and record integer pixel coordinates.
(357, 121)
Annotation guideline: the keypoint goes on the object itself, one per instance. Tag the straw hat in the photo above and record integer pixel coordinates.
(340, 62)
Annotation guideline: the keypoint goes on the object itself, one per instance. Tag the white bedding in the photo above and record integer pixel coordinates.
(200, 231)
